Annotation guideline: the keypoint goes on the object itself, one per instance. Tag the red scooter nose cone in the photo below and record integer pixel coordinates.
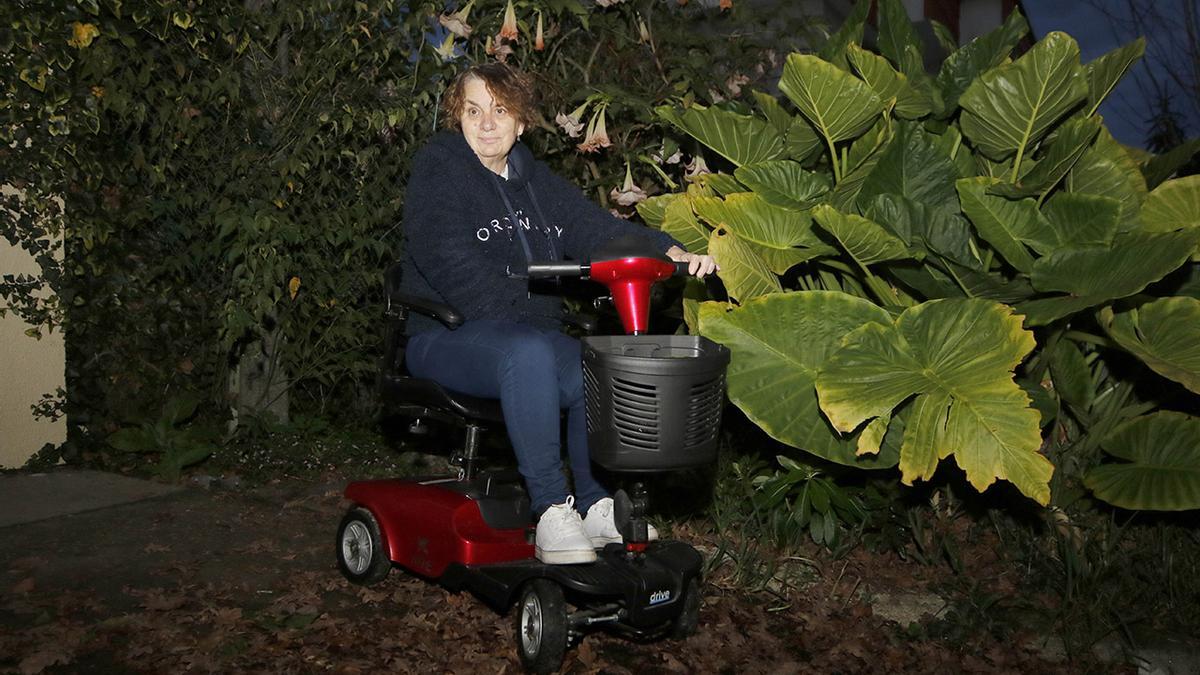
(629, 281)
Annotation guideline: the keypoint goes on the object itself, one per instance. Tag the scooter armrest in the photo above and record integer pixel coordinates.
(447, 315)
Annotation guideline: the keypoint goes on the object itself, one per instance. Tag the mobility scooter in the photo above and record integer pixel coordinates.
(653, 404)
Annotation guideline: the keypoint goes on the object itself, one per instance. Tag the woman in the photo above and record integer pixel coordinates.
(477, 210)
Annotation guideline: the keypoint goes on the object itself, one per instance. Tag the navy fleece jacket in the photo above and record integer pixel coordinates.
(462, 247)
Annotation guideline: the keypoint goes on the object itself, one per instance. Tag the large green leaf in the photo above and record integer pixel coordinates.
(957, 358)
(1163, 469)
(720, 183)
(773, 111)
(839, 105)
(1161, 167)
(989, 285)
(784, 183)
(742, 139)
(865, 241)
(681, 223)
(653, 210)
(755, 219)
(939, 233)
(926, 282)
(1106, 169)
(1006, 224)
(864, 155)
(1165, 334)
(1066, 146)
(834, 49)
(745, 274)
(779, 344)
(879, 75)
(1009, 108)
(950, 144)
(866, 150)
(898, 40)
(802, 141)
(1105, 72)
(945, 37)
(1091, 275)
(780, 260)
(1079, 219)
(1174, 205)
(1042, 311)
(912, 166)
(1071, 375)
(983, 53)
(1132, 262)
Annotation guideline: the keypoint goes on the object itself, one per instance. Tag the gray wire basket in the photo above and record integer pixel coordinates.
(653, 401)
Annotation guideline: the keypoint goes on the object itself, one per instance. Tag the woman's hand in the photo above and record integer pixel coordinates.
(698, 265)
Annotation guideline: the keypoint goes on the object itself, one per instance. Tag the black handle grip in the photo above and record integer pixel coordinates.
(681, 269)
(556, 269)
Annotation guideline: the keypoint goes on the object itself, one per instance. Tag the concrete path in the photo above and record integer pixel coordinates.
(30, 497)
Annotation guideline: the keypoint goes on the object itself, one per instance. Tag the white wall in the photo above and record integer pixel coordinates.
(29, 369)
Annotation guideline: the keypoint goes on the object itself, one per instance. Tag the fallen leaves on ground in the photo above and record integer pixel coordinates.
(248, 584)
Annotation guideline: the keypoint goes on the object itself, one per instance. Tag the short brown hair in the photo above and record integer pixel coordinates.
(510, 87)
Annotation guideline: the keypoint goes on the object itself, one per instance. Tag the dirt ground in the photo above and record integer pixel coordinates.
(245, 580)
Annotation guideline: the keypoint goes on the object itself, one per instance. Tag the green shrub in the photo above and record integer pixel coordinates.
(961, 264)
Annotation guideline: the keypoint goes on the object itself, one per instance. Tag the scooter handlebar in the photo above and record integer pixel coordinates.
(556, 269)
(543, 270)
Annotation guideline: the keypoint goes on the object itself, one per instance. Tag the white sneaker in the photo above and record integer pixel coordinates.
(601, 529)
(560, 539)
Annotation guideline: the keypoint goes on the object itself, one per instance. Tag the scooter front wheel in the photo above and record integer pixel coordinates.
(541, 626)
(361, 551)
(688, 621)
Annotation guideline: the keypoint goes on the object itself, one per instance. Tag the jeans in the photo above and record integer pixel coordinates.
(536, 374)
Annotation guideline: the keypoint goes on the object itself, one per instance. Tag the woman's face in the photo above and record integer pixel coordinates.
(489, 127)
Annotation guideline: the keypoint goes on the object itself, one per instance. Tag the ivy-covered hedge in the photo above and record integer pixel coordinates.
(228, 179)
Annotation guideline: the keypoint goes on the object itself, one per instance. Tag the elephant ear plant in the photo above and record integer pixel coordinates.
(959, 265)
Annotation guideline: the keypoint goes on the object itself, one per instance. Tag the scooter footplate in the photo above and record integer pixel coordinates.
(649, 587)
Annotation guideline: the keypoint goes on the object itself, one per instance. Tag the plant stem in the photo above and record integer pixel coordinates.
(967, 291)
(1017, 164)
(1098, 340)
(838, 265)
(833, 160)
(1043, 359)
(587, 71)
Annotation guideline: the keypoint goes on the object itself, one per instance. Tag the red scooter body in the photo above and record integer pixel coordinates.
(428, 525)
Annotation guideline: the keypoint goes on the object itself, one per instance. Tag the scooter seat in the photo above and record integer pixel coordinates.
(420, 397)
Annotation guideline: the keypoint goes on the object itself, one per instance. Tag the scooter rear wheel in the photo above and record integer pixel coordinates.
(361, 551)
(541, 626)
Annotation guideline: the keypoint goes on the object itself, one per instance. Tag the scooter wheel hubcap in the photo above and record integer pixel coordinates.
(531, 633)
(356, 547)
